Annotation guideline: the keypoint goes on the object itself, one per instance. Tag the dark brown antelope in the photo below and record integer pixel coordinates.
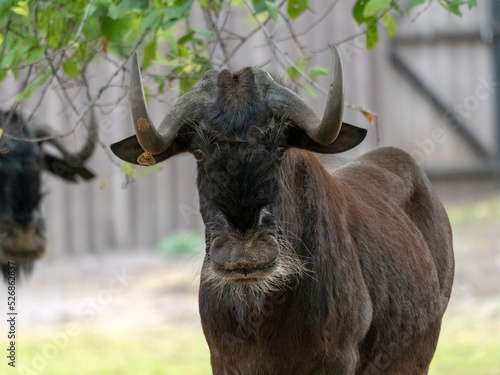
(305, 272)
(22, 227)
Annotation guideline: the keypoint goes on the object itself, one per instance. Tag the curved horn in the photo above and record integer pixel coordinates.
(284, 102)
(77, 158)
(188, 107)
(92, 139)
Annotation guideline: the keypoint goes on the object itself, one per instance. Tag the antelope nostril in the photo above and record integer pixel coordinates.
(268, 236)
(217, 242)
(40, 232)
(270, 240)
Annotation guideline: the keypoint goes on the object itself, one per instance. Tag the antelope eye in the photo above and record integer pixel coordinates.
(280, 152)
(199, 155)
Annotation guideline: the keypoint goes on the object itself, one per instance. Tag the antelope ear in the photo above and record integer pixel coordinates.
(349, 137)
(129, 150)
(65, 170)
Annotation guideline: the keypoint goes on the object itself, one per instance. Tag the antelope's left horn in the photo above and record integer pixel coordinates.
(286, 103)
(77, 158)
(188, 107)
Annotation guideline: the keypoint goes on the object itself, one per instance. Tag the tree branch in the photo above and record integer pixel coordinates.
(60, 50)
(282, 52)
(93, 102)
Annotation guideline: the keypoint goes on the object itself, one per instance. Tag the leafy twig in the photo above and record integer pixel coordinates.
(93, 102)
(58, 51)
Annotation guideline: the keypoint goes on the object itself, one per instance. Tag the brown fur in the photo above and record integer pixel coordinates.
(236, 87)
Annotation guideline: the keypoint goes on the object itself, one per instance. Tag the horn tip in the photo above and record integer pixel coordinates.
(335, 54)
(333, 48)
(135, 63)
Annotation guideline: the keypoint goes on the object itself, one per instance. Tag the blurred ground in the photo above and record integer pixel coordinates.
(136, 312)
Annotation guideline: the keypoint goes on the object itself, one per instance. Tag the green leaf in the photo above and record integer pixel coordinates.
(183, 51)
(128, 169)
(22, 9)
(116, 12)
(259, 6)
(172, 43)
(371, 33)
(146, 94)
(186, 38)
(301, 63)
(167, 25)
(91, 28)
(390, 24)
(296, 8)
(150, 20)
(472, 3)
(310, 91)
(205, 63)
(28, 91)
(186, 84)
(414, 3)
(293, 73)
(161, 86)
(35, 54)
(273, 9)
(70, 68)
(149, 54)
(172, 14)
(134, 4)
(368, 11)
(151, 170)
(396, 7)
(452, 7)
(317, 71)
(358, 11)
(374, 7)
(203, 32)
(266, 6)
(114, 30)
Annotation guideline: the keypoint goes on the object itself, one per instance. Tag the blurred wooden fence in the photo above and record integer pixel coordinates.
(106, 216)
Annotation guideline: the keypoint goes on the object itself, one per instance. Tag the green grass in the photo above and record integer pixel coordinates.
(484, 210)
(168, 351)
(466, 347)
(475, 225)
